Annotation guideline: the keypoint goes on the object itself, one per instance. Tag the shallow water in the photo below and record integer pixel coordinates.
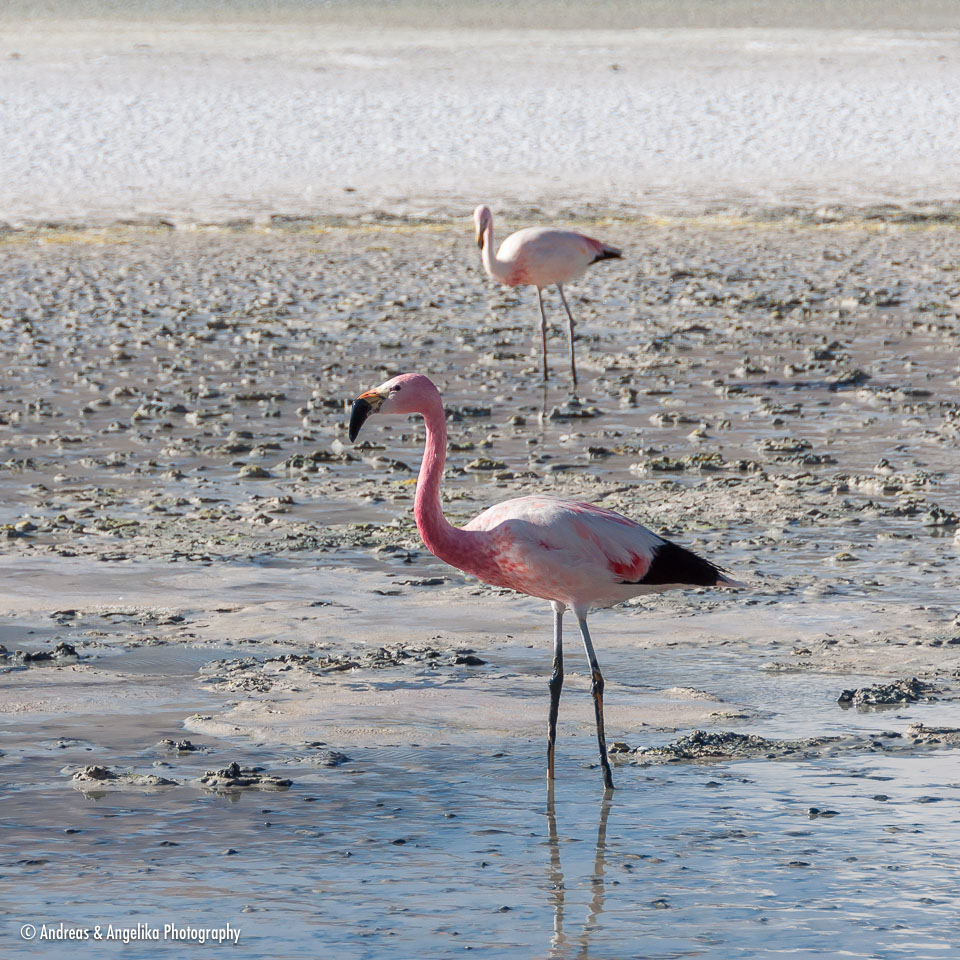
(452, 845)
(440, 854)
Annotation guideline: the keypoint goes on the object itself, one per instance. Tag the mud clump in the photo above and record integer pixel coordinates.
(61, 653)
(235, 777)
(97, 776)
(394, 655)
(911, 690)
(701, 745)
(468, 660)
(933, 736)
(178, 746)
(329, 758)
(249, 675)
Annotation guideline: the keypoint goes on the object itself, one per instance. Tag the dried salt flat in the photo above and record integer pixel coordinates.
(178, 119)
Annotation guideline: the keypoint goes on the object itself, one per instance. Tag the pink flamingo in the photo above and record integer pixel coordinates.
(573, 554)
(540, 256)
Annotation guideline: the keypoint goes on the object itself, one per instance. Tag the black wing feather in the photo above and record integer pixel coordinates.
(675, 564)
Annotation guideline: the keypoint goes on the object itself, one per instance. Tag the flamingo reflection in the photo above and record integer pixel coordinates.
(559, 941)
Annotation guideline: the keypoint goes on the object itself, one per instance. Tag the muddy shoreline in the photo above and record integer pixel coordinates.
(182, 510)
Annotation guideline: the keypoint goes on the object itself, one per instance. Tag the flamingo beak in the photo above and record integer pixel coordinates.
(363, 406)
(479, 236)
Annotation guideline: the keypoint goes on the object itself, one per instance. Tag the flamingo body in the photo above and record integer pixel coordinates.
(540, 257)
(574, 554)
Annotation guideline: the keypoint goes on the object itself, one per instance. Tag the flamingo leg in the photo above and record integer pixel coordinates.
(597, 690)
(556, 685)
(573, 359)
(543, 334)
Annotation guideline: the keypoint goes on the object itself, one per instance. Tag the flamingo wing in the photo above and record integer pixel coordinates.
(583, 542)
(581, 554)
(544, 256)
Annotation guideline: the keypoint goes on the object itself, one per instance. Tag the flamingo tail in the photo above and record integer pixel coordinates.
(606, 252)
(673, 564)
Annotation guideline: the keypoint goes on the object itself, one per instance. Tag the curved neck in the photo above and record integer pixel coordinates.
(495, 268)
(440, 537)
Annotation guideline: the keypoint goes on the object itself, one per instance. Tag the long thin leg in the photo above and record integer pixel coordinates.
(573, 358)
(597, 691)
(543, 334)
(556, 685)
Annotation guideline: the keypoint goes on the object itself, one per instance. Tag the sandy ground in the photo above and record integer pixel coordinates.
(181, 510)
(181, 120)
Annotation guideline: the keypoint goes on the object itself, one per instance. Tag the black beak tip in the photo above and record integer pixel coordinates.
(358, 415)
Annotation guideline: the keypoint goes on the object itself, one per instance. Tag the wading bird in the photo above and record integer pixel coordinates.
(539, 257)
(573, 554)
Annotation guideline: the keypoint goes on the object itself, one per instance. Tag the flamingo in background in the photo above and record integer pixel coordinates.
(573, 554)
(540, 256)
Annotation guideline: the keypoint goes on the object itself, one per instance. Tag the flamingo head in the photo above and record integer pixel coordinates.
(482, 218)
(408, 393)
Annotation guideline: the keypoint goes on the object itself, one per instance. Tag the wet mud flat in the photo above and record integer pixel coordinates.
(209, 587)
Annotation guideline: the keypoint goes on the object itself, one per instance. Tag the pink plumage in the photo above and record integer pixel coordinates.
(540, 257)
(578, 554)
(574, 554)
